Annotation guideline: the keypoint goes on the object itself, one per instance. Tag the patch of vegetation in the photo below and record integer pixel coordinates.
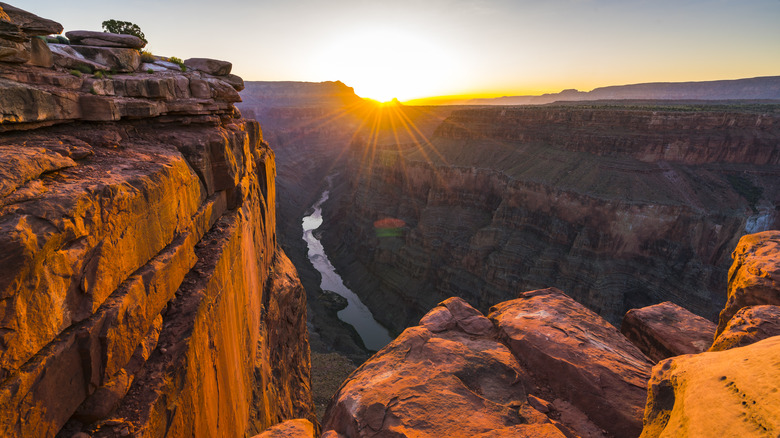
(178, 62)
(147, 57)
(92, 90)
(149, 70)
(84, 68)
(746, 189)
(98, 75)
(123, 27)
(75, 73)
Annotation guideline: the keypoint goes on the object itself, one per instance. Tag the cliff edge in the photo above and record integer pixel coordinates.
(143, 291)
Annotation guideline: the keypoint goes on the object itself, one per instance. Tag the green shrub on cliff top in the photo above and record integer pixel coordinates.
(123, 27)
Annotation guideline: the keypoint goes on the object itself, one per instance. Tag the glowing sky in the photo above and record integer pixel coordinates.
(419, 48)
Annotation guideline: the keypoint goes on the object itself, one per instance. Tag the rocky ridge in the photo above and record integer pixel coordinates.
(143, 292)
(543, 365)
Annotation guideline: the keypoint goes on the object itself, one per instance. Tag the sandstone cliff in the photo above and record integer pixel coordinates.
(622, 208)
(143, 291)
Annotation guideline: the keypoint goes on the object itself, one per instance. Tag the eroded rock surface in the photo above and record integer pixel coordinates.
(754, 277)
(541, 366)
(665, 330)
(142, 291)
(750, 325)
(726, 393)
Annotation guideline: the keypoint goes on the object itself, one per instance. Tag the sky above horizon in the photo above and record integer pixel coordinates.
(412, 49)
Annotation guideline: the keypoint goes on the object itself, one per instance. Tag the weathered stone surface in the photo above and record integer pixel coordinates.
(11, 32)
(754, 277)
(750, 325)
(32, 24)
(116, 59)
(14, 52)
(40, 54)
(211, 66)
(586, 361)
(235, 81)
(104, 39)
(546, 366)
(298, 428)
(66, 56)
(666, 330)
(20, 165)
(98, 108)
(726, 393)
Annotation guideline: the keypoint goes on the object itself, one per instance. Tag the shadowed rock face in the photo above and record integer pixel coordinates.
(666, 330)
(142, 292)
(621, 208)
(540, 365)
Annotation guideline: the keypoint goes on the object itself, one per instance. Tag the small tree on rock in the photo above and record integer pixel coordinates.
(123, 27)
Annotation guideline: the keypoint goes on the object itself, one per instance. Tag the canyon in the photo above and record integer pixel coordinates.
(146, 221)
(619, 207)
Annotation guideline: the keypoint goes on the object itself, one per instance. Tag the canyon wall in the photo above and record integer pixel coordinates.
(619, 207)
(143, 291)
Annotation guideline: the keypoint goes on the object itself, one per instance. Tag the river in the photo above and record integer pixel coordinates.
(356, 313)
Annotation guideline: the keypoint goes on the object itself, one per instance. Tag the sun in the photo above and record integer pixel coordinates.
(383, 64)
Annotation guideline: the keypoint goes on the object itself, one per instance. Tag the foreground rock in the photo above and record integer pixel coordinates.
(754, 277)
(583, 359)
(540, 366)
(748, 326)
(211, 66)
(665, 330)
(299, 428)
(730, 393)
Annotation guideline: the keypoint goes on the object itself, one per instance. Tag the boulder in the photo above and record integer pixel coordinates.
(210, 66)
(665, 330)
(748, 326)
(31, 24)
(437, 384)
(67, 57)
(754, 276)
(719, 394)
(234, 81)
(116, 59)
(584, 360)
(298, 428)
(104, 39)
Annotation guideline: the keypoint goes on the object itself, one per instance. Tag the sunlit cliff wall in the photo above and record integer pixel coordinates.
(142, 291)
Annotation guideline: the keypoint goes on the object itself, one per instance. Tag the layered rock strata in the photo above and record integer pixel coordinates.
(620, 207)
(540, 365)
(666, 330)
(142, 291)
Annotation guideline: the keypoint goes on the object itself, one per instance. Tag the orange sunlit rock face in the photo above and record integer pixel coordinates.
(540, 365)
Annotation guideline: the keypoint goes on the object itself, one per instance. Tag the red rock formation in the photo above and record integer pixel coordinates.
(141, 288)
(299, 428)
(728, 393)
(461, 374)
(665, 330)
(748, 326)
(733, 392)
(754, 277)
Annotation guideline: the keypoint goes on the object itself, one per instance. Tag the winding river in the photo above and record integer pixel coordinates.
(356, 313)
